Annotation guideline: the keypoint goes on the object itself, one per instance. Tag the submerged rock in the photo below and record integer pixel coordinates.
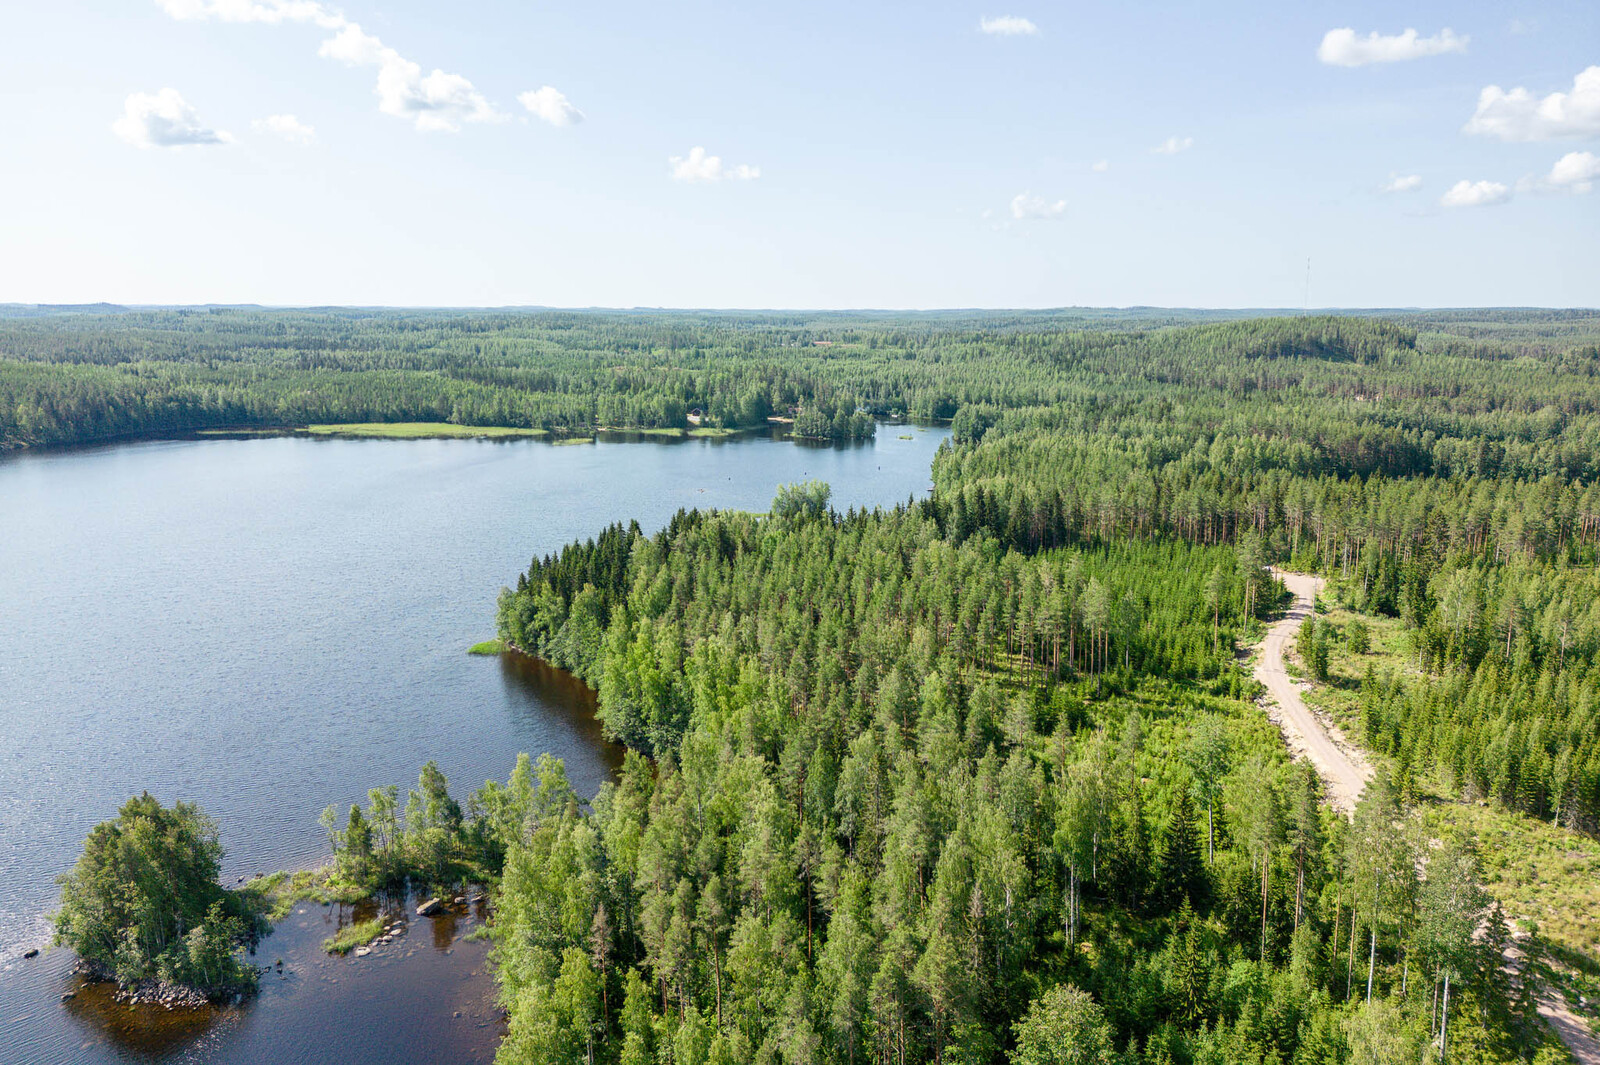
(32, 952)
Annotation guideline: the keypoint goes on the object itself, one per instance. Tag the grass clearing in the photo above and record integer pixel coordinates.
(668, 432)
(417, 430)
(1548, 881)
(1536, 870)
(352, 936)
(1390, 653)
(488, 647)
(275, 895)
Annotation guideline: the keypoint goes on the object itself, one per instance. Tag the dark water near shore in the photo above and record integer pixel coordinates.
(268, 626)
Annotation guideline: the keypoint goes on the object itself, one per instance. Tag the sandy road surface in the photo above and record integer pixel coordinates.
(1346, 775)
(1305, 734)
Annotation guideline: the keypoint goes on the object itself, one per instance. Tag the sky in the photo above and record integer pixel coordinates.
(817, 155)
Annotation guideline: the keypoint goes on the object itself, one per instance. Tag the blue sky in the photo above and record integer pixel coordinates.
(851, 155)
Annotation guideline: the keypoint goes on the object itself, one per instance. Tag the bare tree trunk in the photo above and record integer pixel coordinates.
(1372, 961)
(1265, 866)
(1444, 1024)
(1350, 963)
(1300, 889)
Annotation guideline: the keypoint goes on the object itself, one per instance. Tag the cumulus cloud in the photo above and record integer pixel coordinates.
(1101, 166)
(1025, 206)
(1174, 145)
(1519, 115)
(1575, 172)
(1007, 26)
(437, 101)
(550, 105)
(268, 11)
(288, 127)
(1475, 194)
(698, 166)
(1342, 48)
(1402, 183)
(163, 120)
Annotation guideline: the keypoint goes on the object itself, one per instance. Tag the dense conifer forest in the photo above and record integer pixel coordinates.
(981, 778)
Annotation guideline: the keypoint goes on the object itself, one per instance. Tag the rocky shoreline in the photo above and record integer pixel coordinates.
(156, 993)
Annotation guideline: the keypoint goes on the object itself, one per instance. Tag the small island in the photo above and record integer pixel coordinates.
(144, 907)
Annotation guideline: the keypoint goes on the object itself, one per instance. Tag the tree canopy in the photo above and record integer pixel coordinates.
(143, 903)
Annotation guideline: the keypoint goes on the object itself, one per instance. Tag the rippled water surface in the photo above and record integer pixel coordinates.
(268, 626)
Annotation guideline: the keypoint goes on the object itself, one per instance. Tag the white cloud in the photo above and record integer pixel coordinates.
(698, 166)
(431, 102)
(163, 120)
(268, 11)
(1475, 194)
(1025, 205)
(1008, 26)
(1174, 145)
(354, 46)
(1342, 48)
(1402, 183)
(288, 127)
(436, 102)
(1577, 171)
(1518, 115)
(1101, 166)
(551, 105)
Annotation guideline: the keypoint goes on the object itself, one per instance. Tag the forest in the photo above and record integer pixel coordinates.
(982, 778)
(1437, 395)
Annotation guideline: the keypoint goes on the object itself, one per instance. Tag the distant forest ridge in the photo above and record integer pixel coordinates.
(72, 376)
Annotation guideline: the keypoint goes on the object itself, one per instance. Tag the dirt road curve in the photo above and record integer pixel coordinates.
(1305, 734)
(1345, 773)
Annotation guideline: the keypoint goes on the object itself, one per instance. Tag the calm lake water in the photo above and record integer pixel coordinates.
(268, 626)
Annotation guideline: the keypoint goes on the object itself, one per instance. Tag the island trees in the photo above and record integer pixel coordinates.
(143, 905)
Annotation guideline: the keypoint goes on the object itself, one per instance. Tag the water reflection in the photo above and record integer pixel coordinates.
(535, 687)
(149, 1033)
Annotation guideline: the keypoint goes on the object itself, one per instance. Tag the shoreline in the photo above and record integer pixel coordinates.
(428, 992)
(416, 954)
(488, 432)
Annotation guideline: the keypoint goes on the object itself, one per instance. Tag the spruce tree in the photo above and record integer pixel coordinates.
(1182, 874)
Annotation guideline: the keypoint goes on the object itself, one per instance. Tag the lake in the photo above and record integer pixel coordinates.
(272, 625)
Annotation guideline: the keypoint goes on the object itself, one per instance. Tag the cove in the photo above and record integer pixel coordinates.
(267, 626)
